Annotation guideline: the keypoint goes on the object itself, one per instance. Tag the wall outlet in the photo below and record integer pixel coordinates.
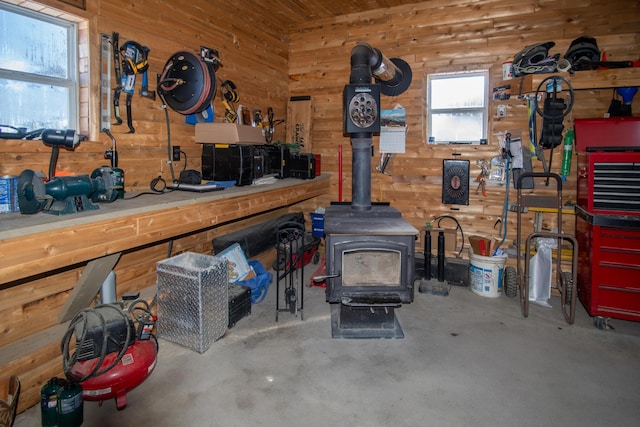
(502, 110)
(176, 153)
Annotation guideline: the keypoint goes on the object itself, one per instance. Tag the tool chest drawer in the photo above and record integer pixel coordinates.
(608, 266)
(609, 183)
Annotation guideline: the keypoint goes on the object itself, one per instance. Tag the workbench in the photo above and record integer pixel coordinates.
(42, 242)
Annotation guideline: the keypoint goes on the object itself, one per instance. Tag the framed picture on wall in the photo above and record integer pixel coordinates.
(76, 3)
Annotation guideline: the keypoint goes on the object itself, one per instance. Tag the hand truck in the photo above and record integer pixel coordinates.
(518, 279)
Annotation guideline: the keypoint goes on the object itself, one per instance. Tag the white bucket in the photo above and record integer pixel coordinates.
(507, 70)
(485, 274)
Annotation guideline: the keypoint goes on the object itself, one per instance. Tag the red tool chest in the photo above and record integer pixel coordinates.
(608, 265)
(608, 216)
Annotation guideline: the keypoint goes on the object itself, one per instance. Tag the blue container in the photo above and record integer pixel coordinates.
(9, 194)
(259, 285)
(317, 224)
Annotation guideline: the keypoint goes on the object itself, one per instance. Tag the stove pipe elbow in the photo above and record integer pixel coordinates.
(364, 58)
(366, 62)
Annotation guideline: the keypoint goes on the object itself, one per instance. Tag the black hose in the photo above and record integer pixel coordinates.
(458, 227)
(81, 320)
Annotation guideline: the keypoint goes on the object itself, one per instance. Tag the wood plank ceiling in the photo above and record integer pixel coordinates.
(290, 12)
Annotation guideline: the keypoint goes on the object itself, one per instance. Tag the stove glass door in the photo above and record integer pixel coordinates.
(371, 267)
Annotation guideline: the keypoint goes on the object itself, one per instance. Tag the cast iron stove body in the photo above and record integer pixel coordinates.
(370, 249)
(370, 268)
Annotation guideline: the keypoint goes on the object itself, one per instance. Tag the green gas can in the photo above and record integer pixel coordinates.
(49, 402)
(70, 405)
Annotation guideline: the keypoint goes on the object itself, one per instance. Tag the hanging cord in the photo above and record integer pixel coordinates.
(169, 149)
(158, 185)
(458, 227)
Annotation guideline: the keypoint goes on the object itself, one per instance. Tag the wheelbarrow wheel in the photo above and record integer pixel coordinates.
(510, 282)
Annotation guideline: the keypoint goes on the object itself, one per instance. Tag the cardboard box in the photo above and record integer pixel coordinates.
(300, 122)
(481, 245)
(228, 133)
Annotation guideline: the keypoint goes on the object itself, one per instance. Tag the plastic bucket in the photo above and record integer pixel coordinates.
(485, 274)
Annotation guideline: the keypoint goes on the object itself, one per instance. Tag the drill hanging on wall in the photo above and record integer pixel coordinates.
(130, 59)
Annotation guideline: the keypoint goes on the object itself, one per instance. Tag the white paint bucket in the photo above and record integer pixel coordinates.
(485, 274)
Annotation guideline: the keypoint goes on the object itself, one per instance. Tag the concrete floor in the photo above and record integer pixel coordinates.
(466, 360)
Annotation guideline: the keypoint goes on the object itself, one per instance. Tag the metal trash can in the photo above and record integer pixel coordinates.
(193, 306)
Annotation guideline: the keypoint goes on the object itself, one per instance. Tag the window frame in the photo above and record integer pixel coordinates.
(432, 111)
(72, 82)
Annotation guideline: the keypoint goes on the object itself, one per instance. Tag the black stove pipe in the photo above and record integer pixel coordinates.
(362, 57)
(361, 173)
(395, 76)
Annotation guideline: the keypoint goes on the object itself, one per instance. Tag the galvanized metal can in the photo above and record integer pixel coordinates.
(9, 194)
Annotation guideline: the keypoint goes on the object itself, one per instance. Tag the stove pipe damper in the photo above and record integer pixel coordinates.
(369, 247)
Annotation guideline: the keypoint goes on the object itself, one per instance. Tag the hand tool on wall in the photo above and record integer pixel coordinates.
(257, 118)
(229, 98)
(383, 162)
(134, 61)
(115, 37)
(269, 129)
(506, 155)
(128, 87)
(481, 178)
(144, 90)
(554, 111)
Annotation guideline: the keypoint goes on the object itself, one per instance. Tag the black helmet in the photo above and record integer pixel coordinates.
(535, 59)
(583, 53)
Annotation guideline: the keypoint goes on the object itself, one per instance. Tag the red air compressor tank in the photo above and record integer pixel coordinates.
(136, 365)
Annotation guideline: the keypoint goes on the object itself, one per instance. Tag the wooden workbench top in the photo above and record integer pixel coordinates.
(38, 243)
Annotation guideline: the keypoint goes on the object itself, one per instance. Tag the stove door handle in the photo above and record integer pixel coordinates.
(319, 279)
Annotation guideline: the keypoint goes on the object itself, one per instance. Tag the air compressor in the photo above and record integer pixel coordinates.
(115, 350)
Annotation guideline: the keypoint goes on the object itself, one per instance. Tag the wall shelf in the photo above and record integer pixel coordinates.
(580, 80)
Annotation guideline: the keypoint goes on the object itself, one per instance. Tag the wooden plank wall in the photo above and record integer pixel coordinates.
(268, 64)
(256, 61)
(443, 36)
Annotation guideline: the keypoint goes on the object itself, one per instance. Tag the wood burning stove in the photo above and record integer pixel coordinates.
(370, 259)
(370, 249)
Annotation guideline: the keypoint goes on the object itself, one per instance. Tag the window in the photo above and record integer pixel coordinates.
(38, 70)
(457, 107)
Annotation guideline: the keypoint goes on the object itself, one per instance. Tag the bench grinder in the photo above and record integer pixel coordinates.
(64, 194)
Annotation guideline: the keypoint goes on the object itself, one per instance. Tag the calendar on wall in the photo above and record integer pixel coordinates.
(393, 130)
